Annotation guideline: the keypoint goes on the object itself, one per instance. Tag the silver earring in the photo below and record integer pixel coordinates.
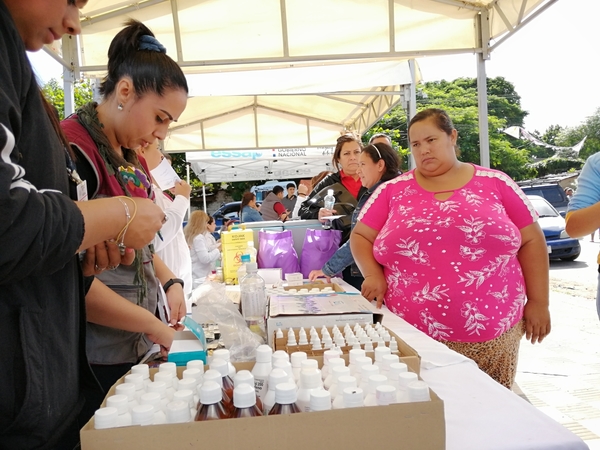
(120, 107)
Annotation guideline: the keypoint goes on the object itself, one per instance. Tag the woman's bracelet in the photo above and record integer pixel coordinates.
(121, 236)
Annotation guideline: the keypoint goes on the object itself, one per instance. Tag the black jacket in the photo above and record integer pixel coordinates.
(345, 203)
(42, 309)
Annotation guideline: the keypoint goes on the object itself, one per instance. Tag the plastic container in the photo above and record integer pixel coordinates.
(244, 402)
(221, 366)
(246, 377)
(251, 251)
(214, 375)
(142, 415)
(241, 272)
(105, 418)
(320, 400)
(285, 400)
(328, 203)
(178, 412)
(374, 382)
(276, 377)
(225, 354)
(153, 399)
(310, 380)
(211, 405)
(254, 300)
(122, 406)
(262, 369)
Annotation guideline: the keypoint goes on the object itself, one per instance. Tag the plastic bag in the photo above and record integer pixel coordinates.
(318, 247)
(276, 250)
(214, 306)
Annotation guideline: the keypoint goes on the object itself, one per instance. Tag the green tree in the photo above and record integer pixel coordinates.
(590, 128)
(56, 95)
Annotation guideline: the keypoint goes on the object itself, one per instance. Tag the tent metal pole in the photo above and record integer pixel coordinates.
(483, 30)
(412, 105)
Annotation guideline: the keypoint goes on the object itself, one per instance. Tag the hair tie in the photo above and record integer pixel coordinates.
(148, 42)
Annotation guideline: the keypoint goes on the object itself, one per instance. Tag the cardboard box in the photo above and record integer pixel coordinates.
(234, 244)
(280, 317)
(315, 285)
(406, 426)
(407, 354)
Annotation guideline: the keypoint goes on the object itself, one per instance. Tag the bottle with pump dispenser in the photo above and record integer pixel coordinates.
(244, 402)
(285, 400)
(254, 300)
(211, 405)
(328, 203)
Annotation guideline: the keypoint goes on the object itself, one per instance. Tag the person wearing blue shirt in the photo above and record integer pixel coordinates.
(249, 210)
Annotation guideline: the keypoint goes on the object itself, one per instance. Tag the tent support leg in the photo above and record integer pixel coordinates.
(484, 138)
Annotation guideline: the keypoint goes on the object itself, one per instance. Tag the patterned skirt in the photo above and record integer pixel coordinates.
(498, 357)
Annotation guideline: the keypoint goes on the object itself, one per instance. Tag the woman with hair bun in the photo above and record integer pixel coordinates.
(143, 92)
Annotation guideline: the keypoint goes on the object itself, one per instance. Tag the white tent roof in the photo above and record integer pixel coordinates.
(294, 73)
(252, 164)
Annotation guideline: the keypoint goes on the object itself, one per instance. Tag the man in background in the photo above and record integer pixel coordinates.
(289, 201)
(272, 208)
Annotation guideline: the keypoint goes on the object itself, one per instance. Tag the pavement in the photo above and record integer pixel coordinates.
(561, 376)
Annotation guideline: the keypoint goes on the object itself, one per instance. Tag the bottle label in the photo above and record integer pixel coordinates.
(260, 386)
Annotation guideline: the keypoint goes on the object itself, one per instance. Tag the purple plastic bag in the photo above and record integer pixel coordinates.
(276, 250)
(319, 246)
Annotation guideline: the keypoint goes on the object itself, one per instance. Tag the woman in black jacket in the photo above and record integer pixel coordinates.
(347, 189)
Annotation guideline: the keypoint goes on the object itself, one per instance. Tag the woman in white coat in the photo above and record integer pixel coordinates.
(204, 249)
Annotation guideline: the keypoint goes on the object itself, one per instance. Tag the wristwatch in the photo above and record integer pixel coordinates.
(171, 282)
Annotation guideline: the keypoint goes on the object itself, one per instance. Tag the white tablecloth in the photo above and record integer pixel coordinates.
(480, 413)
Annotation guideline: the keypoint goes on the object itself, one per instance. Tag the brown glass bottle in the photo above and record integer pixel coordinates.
(244, 400)
(290, 408)
(285, 400)
(251, 411)
(211, 412)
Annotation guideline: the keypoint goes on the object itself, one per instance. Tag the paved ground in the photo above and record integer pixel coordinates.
(561, 376)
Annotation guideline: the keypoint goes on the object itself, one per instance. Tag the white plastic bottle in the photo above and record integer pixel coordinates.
(127, 389)
(404, 379)
(241, 272)
(310, 380)
(286, 366)
(380, 352)
(137, 379)
(166, 378)
(161, 389)
(386, 360)
(385, 395)
(333, 363)
(105, 418)
(374, 382)
(328, 203)
(254, 300)
(225, 354)
(365, 372)
(353, 397)
(142, 415)
(171, 368)
(153, 399)
(344, 382)
(355, 353)
(418, 391)
(193, 374)
(144, 370)
(327, 356)
(187, 396)
(320, 400)
(277, 376)
(178, 412)
(122, 405)
(336, 373)
(296, 359)
(262, 369)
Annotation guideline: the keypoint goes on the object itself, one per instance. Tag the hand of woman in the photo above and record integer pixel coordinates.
(182, 188)
(314, 274)
(163, 335)
(374, 288)
(537, 322)
(105, 255)
(326, 213)
(148, 219)
(176, 302)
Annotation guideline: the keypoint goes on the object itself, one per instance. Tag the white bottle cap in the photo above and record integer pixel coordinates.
(336, 362)
(296, 358)
(195, 374)
(308, 364)
(119, 402)
(127, 389)
(178, 412)
(346, 381)
(169, 367)
(285, 393)
(166, 377)
(244, 396)
(328, 355)
(310, 379)
(418, 391)
(356, 353)
(142, 415)
(367, 370)
(157, 386)
(210, 393)
(250, 243)
(368, 346)
(385, 395)
(405, 378)
(220, 365)
(137, 379)
(185, 395)
(251, 267)
(264, 353)
(353, 397)
(187, 384)
(396, 369)
(151, 398)
(279, 333)
(105, 418)
(222, 353)
(320, 400)
(280, 354)
(329, 191)
(243, 377)
(277, 376)
(142, 369)
(380, 351)
(302, 339)
(316, 344)
(376, 380)
(340, 371)
(363, 361)
(284, 365)
(213, 375)
(196, 364)
(387, 360)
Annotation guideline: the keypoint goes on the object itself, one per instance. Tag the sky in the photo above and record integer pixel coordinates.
(552, 62)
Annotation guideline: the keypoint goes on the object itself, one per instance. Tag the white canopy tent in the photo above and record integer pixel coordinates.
(256, 66)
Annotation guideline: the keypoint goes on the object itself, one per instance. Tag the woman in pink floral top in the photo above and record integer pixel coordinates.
(455, 249)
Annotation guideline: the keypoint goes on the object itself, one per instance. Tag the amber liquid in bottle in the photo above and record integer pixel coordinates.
(228, 389)
(211, 412)
(290, 408)
(251, 411)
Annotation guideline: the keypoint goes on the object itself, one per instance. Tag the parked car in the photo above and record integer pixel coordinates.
(560, 244)
(228, 211)
(552, 192)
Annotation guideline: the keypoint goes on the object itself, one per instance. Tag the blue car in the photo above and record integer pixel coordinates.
(560, 244)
